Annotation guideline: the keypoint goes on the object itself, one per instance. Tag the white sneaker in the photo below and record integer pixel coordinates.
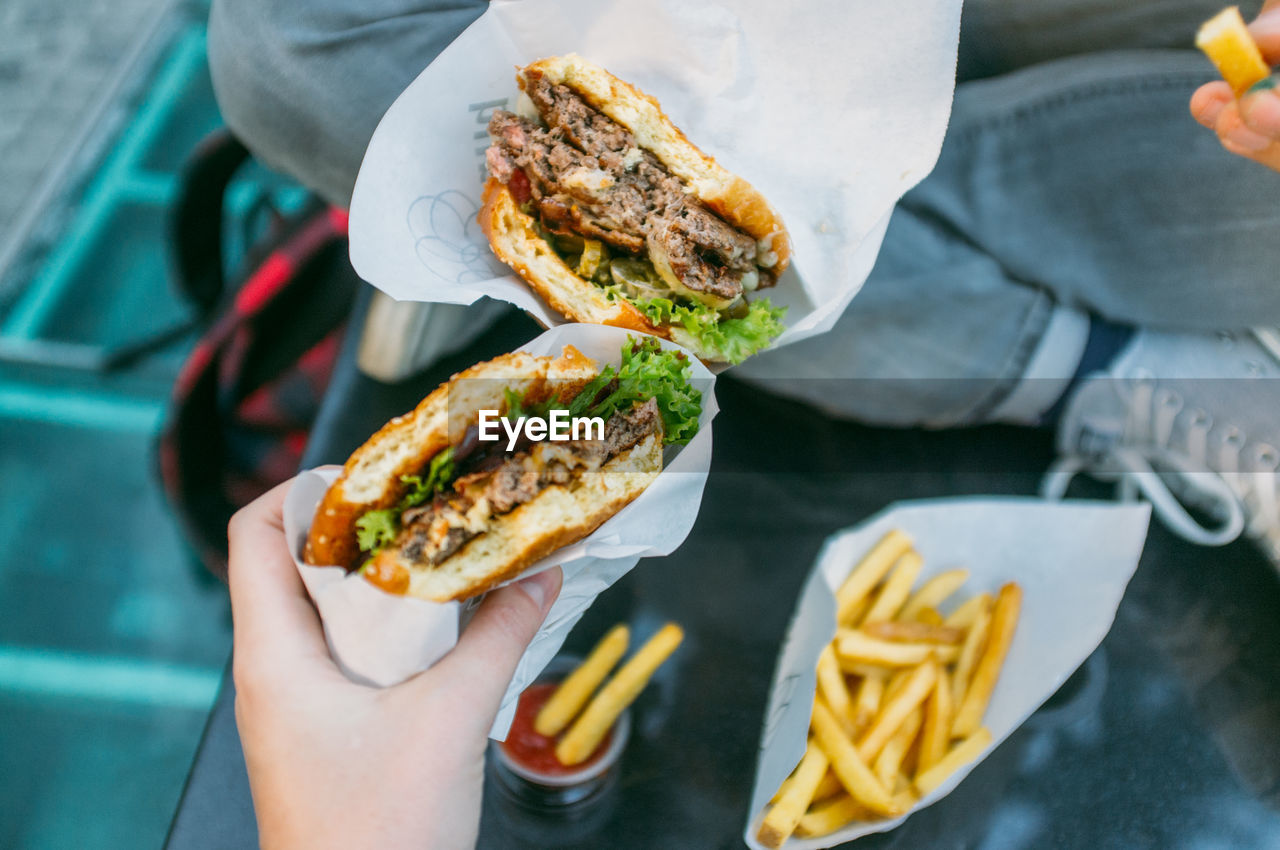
(1186, 420)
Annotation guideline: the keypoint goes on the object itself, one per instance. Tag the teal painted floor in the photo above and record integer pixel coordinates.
(112, 638)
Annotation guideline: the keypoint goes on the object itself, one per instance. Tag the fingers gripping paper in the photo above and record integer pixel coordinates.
(383, 639)
(832, 110)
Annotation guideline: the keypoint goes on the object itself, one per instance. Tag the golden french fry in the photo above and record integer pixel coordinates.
(961, 754)
(913, 632)
(970, 652)
(936, 734)
(854, 774)
(890, 758)
(1226, 40)
(781, 819)
(574, 691)
(828, 787)
(1004, 621)
(831, 686)
(831, 815)
(619, 692)
(933, 592)
(869, 571)
(897, 587)
(963, 617)
(867, 703)
(929, 616)
(858, 646)
(858, 611)
(896, 708)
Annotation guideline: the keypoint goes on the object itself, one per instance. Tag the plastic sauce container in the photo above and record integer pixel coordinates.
(526, 763)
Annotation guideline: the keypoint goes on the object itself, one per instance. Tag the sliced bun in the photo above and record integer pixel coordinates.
(732, 198)
(556, 517)
(370, 479)
(516, 242)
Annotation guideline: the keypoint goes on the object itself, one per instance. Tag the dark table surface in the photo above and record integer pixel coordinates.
(1168, 736)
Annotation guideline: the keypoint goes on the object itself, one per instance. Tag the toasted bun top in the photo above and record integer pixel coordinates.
(729, 196)
(370, 479)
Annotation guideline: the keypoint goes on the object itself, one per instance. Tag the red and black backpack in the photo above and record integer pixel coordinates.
(246, 397)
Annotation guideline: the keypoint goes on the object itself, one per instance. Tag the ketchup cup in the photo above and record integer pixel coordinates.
(525, 764)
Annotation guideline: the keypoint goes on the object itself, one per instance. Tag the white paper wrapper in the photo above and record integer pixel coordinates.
(831, 109)
(1072, 559)
(381, 639)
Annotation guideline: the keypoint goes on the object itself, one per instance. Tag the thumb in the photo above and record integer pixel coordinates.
(483, 662)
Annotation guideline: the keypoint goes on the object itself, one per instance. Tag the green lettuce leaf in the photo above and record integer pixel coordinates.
(733, 340)
(377, 529)
(647, 371)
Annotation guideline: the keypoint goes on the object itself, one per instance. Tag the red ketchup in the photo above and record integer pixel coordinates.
(535, 751)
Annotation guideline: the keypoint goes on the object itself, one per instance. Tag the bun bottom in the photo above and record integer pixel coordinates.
(556, 517)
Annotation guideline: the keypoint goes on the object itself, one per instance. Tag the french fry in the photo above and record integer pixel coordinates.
(619, 692)
(781, 820)
(896, 708)
(929, 616)
(933, 592)
(970, 652)
(890, 758)
(913, 632)
(1225, 39)
(859, 610)
(961, 754)
(936, 734)
(826, 818)
(1004, 621)
(868, 572)
(574, 691)
(828, 787)
(854, 774)
(897, 587)
(831, 686)
(867, 704)
(963, 617)
(858, 646)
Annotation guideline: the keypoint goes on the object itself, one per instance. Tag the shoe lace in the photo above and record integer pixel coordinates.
(1217, 470)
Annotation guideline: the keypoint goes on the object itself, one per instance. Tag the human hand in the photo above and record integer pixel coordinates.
(1250, 126)
(336, 764)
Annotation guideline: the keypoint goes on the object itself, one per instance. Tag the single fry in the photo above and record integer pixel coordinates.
(933, 592)
(890, 758)
(1004, 621)
(929, 616)
(854, 774)
(1225, 39)
(936, 734)
(896, 588)
(896, 708)
(619, 692)
(781, 819)
(831, 815)
(574, 691)
(831, 686)
(961, 754)
(858, 646)
(963, 617)
(869, 571)
(867, 703)
(828, 787)
(913, 632)
(975, 641)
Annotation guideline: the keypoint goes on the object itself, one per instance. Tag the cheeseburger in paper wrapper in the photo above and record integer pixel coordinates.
(830, 110)
(1073, 561)
(381, 639)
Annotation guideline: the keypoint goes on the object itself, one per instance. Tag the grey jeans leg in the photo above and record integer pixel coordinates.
(1081, 182)
(304, 82)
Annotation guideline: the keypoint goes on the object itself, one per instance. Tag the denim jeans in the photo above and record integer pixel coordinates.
(1072, 182)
